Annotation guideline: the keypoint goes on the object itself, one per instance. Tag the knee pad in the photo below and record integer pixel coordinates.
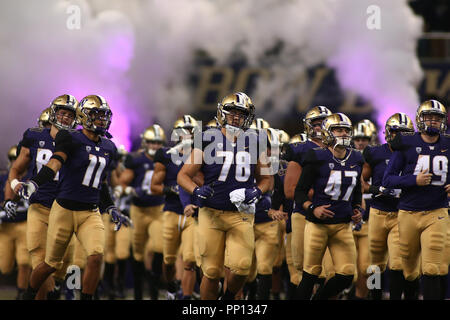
(346, 270)
(211, 272)
(170, 259)
(315, 270)
(431, 269)
(265, 269)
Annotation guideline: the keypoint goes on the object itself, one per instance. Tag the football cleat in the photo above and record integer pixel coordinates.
(431, 107)
(398, 122)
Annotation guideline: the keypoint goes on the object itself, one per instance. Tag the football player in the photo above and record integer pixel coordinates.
(267, 231)
(117, 243)
(82, 158)
(36, 149)
(13, 225)
(419, 166)
(383, 227)
(145, 210)
(235, 176)
(363, 135)
(294, 155)
(178, 230)
(334, 174)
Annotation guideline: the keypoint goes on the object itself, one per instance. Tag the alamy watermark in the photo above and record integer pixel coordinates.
(373, 21)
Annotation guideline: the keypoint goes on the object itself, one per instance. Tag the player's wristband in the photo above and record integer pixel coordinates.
(374, 189)
(14, 184)
(45, 175)
(310, 210)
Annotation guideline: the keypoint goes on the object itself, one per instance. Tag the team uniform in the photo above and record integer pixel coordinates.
(336, 183)
(384, 241)
(423, 213)
(225, 235)
(178, 229)
(13, 247)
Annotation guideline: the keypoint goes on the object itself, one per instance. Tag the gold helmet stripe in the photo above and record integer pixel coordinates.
(403, 119)
(157, 132)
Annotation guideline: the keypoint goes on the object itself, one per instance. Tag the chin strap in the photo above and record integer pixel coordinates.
(343, 160)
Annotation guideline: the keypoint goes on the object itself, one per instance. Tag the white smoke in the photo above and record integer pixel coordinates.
(137, 53)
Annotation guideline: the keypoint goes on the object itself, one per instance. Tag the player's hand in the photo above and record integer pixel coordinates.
(447, 188)
(171, 190)
(27, 189)
(118, 190)
(357, 214)
(277, 215)
(252, 195)
(424, 178)
(10, 209)
(321, 212)
(190, 210)
(202, 193)
(118, 218)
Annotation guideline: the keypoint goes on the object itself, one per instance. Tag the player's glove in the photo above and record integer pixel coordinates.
(171, 190)
(27, 189)
(382, 191)
(10, 209)
(201, 193)
(118, 218)
(252, 195)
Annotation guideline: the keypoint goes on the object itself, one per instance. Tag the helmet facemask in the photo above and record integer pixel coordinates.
(430, 129)
(94, 115)
(53, 118)
(310, 127)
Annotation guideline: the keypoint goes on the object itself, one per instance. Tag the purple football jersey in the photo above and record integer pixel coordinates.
(41, 146)
(86, 167)
(413, 155)
(143, 168)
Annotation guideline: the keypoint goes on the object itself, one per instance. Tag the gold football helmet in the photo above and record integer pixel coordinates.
(259, 123)
(92, 108)
(363, 130)
(299, 138)
(238, 101)
(316, 113)
(431, 107)
(68, 102)
(212, 124)
(43, 120)
(336, 120)
(12, 153)
(186, 125)
(153, 134)
(398, 122)
(284, 137)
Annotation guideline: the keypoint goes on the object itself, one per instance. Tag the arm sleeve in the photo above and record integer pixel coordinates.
(278, 195)
(306, 181)
(159, 157)
(185, 197)
(391, 178)
(105, 198)
(129, 164)
(357, 194)
(63, 142)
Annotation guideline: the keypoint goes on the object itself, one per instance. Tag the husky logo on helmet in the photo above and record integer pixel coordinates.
(236, 101)
(44, 118)
(336, 120)
(398, 122)
(316, 113)
(431, 107)
(92, 108)
(259, 123)
(67, 102)
(153, 134)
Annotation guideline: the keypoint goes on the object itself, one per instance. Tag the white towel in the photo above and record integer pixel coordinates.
(237, 197)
